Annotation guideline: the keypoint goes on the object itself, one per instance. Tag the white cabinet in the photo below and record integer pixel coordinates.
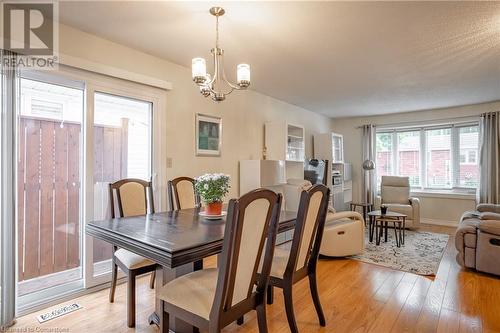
(285, 141)
(337, 148)
(261, 173)
(330, 146)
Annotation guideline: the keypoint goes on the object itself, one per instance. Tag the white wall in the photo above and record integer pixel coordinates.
(444, 209)
(243, 113)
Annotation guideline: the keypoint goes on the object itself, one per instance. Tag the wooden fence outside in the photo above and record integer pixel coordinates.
(49, 191)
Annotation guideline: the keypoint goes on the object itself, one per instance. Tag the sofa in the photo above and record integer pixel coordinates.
(478, 239)
(395, 194)
(344, 232)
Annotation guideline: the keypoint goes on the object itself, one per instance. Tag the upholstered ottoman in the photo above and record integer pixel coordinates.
(344, 234)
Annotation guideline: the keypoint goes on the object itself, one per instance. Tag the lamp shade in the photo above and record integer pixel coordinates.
(243, 73)
(198, 67)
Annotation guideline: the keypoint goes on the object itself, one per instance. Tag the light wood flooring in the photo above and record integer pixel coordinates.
(356, 297)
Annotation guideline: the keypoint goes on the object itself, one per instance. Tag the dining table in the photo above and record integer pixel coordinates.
(176, 240)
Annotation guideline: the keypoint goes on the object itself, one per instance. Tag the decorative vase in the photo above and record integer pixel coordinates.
(213, 208)
(383, 210)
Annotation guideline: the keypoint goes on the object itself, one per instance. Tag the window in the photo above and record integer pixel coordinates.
(468, 170)
(434, 158)
(384, 155)
(438, 157)
(408, 144)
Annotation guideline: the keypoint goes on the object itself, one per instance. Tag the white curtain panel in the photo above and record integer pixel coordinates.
(489, 158)
(8, 102)
(369, 183)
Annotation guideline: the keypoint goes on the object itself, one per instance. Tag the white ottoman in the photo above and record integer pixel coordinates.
(344, 234)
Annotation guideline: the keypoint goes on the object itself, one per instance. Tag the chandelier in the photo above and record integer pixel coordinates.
(213, 85)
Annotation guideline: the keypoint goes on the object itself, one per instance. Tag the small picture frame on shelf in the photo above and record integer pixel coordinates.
(208, 135)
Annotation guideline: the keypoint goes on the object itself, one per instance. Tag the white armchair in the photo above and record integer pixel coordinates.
(395, 194)
(344, 232)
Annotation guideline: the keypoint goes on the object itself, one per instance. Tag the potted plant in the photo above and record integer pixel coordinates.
(212, 188)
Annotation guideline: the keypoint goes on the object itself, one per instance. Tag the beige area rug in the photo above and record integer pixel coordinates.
(421, 253)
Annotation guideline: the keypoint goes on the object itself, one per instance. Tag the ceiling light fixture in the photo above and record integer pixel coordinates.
(210, 83)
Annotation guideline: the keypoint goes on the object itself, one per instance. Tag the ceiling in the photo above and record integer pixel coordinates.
(336, 58)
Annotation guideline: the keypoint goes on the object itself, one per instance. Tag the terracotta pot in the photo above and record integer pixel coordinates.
(213, 208)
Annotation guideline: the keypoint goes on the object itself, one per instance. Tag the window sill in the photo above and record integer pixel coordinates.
(447, 194)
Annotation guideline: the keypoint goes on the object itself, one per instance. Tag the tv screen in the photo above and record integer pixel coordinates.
(315, 171)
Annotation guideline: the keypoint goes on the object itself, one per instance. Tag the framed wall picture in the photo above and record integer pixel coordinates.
(208, 135)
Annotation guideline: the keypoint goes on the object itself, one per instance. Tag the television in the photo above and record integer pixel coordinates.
(315, 171)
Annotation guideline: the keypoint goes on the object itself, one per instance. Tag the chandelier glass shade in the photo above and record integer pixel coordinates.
(217, 86)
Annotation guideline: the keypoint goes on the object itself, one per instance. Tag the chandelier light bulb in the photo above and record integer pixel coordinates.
(243, 75)
(199, 70)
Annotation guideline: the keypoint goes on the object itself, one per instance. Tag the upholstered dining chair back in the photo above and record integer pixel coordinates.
(181, 193)
(132, 197)
(309, 228)
(250, 232)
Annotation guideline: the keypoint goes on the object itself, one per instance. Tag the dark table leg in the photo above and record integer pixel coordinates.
(404, 227)
(396, 234)
(164, 275)
(379, 229)
(370, 229)
(385, 230)
(364, 214)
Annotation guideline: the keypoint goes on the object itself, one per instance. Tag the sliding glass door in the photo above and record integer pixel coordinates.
(76, 133)
(49, 178)
(122, 149)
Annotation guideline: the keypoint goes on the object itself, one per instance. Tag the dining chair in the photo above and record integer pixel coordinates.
(181, 193)
(132, 197)
(292, 265)
(211, 299)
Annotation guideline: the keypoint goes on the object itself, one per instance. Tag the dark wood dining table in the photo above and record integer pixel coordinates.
(177, 241)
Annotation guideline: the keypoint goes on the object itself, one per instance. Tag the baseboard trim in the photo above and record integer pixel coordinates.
(446, 223)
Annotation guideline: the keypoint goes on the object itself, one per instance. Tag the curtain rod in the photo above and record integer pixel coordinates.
(417, 123)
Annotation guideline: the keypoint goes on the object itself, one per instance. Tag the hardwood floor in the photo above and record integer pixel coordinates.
(356, 297)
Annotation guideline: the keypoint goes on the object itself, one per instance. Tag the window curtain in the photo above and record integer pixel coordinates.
(369, 183)
(489, 158)
(8, 104)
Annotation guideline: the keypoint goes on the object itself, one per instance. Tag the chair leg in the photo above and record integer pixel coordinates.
(131, 300)
(164, 321)
(152, 280)
(261, 318)
(315, 296)
(114, 273)
(270, 294)
(287, 293)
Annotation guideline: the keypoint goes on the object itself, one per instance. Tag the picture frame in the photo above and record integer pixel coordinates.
(208, 141)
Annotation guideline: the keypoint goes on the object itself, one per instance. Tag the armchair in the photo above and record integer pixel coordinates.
(395, 194)
(344, 232)
(478, 239)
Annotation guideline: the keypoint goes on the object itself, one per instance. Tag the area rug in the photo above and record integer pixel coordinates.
(421, 253)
